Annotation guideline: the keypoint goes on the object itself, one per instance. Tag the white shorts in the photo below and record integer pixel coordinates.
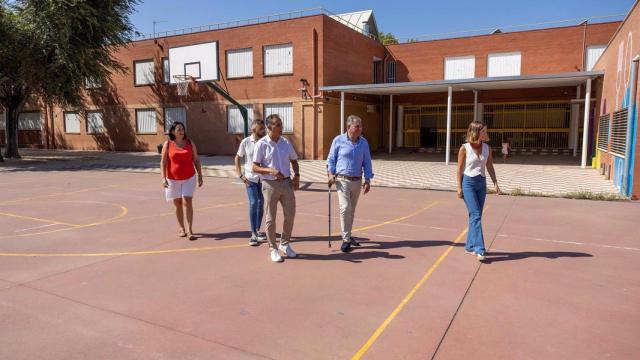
(180, 188)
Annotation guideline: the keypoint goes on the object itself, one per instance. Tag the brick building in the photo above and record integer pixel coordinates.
(528, 86)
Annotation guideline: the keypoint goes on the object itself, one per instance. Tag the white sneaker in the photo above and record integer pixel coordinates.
(288, 251)
(480, 257)
(275, 256)
(262, 236)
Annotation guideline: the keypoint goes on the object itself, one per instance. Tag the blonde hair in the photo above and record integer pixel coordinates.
(473, 133)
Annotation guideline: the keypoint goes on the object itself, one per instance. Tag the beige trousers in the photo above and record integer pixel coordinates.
(275, 191)
(348, 194)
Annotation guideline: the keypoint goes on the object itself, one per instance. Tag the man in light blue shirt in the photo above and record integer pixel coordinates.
(348, 161)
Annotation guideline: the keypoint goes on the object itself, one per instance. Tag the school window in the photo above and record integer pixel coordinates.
(146, 121)
(239, 63)
(504, 64)
(278, 59)
(173, 114)
(144, 72)
(72, 123)
(459, 67)
(377, 71)
(30, 121)
(165, 70)
(391, 72)
(592, 55)
(285, 111)
(235, 122)
(95, 122)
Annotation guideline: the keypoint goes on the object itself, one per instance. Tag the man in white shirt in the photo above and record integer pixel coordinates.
(252, 181)
(273, 158)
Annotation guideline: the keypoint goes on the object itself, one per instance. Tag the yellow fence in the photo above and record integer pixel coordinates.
(542, 125)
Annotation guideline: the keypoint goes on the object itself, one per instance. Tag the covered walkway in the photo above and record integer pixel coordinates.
(406, 133)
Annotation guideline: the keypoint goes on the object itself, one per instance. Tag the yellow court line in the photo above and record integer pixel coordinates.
(123, 212)
(38, 219)
(150, 252)
(191, 249)
(116, 219)
(394, 220)
(58, 194)
(404, 301)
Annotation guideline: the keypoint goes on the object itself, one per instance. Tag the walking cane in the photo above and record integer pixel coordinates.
(329, 215)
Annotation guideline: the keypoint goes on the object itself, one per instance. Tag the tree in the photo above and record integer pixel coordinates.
(387, 38)
(50, 48)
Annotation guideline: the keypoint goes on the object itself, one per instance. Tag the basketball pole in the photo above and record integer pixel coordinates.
(243, 110)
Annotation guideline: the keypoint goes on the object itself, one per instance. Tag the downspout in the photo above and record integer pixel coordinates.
(631, 109)
(584, 44)
(314, 41)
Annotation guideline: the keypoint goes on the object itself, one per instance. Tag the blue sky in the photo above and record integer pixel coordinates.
(402, 18)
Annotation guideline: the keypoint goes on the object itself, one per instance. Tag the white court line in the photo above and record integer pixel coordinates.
(573, 243)
(37, 227)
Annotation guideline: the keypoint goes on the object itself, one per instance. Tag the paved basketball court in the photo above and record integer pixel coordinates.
(91, 268)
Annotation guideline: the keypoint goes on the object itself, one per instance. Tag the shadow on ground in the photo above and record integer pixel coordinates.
(507, 256)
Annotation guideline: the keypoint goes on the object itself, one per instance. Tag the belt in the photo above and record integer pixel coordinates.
(285, 179)
(350, 178)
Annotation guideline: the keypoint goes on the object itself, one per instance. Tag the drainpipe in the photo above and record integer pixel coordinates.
(626, 187)
(314, 40)
(584, 45)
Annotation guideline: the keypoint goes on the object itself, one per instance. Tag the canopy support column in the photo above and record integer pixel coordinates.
(342, 112)
(390, 123)
(448, 149)
(585, 127)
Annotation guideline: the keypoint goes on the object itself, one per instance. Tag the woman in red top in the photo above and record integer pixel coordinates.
(178, 165)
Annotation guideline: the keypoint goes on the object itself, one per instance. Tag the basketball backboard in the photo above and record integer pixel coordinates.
(197, 60)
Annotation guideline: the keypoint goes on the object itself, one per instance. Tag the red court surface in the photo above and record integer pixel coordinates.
(91, 268)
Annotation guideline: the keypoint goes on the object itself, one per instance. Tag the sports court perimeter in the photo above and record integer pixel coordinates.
(91, 267)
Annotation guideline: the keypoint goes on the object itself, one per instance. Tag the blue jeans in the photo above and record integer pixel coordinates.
(474, 190)
(256, 205)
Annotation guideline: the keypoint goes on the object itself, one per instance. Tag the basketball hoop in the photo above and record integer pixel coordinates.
(182, 81)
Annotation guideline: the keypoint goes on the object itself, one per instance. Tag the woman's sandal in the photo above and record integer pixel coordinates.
(191, 236)
(182, 233)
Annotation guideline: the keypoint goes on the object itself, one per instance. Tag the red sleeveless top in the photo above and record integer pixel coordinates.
(180, 161)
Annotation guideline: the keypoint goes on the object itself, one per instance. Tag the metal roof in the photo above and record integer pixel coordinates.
(492, 83)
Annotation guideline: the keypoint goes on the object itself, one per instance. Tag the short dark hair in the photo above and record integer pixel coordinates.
(272, 117)
(173, 128)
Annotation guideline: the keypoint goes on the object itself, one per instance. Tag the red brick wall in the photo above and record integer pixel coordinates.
(348, 55)
(543, 51)
(206, 111)
(616, 80)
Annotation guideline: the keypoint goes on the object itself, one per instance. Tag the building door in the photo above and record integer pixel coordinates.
(308, 132)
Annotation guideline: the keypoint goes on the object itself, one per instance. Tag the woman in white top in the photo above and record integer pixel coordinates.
(473, 158)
